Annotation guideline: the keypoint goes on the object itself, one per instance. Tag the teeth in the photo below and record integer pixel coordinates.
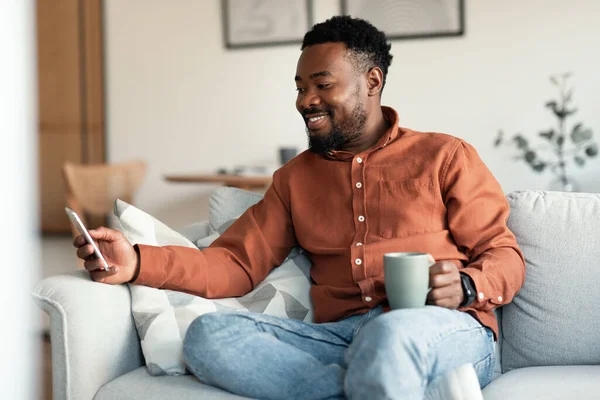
(313, 119)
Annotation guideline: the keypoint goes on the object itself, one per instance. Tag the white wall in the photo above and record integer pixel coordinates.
(18, 166)
(179, 99)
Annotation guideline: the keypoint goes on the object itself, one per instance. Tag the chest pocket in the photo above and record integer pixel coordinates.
(406, 207)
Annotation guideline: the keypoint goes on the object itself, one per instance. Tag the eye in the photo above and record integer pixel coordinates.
(324, 85)
(299, 90)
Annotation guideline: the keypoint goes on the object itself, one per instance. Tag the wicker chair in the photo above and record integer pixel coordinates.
(93, 188)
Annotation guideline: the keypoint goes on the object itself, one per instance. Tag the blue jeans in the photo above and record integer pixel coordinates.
(393, 355)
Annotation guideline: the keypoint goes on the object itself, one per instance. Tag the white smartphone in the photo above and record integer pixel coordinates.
(83, 230)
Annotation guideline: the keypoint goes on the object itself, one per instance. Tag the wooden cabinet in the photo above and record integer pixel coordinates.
(71, 98)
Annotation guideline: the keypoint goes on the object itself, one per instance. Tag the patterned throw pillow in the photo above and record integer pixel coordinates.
(163, 316)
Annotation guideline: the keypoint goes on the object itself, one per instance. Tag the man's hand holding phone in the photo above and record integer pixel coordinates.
(119, 254)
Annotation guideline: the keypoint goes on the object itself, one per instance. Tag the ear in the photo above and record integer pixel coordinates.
(374, 81)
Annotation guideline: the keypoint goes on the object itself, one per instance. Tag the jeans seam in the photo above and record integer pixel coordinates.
(489, 361)
(358, 327)
(295, 332)
(438, 339)
(366, 318)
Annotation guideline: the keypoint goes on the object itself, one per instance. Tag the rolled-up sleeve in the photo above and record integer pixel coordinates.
(477, 213)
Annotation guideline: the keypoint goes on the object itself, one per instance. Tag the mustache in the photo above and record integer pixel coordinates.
(309, 111)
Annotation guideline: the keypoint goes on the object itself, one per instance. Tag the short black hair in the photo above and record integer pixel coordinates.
(368, 45)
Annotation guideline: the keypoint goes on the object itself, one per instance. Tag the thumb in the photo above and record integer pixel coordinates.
(103, 233)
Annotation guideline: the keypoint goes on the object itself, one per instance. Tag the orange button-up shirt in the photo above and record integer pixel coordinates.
(412, 191)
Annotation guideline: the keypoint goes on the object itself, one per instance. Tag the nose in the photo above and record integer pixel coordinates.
(307, 100)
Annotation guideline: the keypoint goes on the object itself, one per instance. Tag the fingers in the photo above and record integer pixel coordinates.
(439, 294)
(444, 279)
(106, 234)
(448, 296)
(102, 233)
(446, 289)
(85, 251)
(103, 276)
(93, 263)
(441, 267)
(79, 241)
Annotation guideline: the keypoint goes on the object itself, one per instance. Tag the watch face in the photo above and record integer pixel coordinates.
(469, 295)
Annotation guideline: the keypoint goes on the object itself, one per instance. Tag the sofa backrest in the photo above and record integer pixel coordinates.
(555, 318)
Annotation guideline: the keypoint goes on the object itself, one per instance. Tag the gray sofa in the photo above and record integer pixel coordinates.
(549, 346)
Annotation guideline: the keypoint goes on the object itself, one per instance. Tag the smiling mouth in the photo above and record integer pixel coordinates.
(317, 121)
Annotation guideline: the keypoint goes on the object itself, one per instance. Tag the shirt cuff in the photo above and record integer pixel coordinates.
(484, 294)
(151, 262)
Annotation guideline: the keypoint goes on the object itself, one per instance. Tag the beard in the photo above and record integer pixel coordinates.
(341, 133)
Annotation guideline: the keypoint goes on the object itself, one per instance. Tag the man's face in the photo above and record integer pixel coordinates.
(331, 97)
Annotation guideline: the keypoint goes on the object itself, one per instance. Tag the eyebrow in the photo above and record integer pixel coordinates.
(315, 75)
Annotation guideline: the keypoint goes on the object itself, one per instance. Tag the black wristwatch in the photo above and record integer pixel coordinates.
(468, 288)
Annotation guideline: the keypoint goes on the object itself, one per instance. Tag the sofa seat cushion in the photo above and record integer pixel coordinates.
(560, 382)
(140, 385)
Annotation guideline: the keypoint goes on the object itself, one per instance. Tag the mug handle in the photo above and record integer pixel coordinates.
(432, 261)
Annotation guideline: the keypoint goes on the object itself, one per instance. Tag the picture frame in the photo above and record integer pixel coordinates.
(410, 19)
(258, 23)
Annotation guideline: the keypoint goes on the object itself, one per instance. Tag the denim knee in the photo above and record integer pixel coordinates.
(199, 340)
(384, 328)
(387, 334)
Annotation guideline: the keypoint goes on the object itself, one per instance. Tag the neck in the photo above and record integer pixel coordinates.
(375, 128)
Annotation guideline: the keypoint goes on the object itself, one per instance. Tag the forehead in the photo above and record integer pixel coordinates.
(329, 57)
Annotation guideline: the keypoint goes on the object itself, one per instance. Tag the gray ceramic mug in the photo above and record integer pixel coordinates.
(406, 278)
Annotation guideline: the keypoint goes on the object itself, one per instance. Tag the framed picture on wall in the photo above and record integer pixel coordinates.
(410, 19)
(254, 23)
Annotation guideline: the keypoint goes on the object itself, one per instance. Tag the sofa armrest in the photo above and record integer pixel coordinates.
(93, 335)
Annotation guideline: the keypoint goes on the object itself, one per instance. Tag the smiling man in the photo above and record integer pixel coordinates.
(365, 187)
(332, 101)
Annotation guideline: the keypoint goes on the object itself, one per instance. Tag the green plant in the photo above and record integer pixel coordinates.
(559, 145)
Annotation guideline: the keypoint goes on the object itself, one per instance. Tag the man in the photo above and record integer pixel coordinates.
(365, 187)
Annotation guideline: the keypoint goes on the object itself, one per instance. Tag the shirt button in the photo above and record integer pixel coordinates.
(359, 160)
(358, 261)
(499, 298)
(481, 296)
(361, 218)
(359, 244)
(368, 298)
(358, 185)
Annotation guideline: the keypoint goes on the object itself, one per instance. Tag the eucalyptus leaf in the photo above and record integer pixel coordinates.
(560, 112)
(498, 140)
(520, 141)
(592, 150)
(553, 80)
(549, 134)
(581, 135)
(530, 156)
(579, 161)
(560, 140)
(539, 167)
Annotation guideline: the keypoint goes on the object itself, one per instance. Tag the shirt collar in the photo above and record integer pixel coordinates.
(389, 136)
